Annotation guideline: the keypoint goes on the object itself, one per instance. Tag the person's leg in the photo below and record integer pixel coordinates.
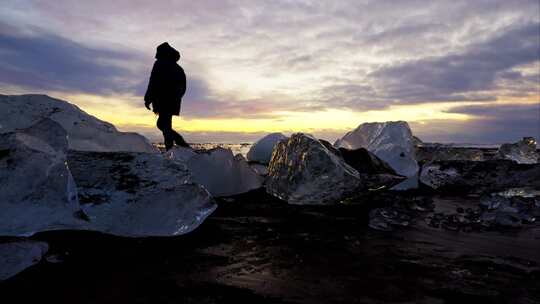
(164, 123)
(178, 139)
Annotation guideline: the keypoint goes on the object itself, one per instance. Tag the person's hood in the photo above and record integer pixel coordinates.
(167, 52)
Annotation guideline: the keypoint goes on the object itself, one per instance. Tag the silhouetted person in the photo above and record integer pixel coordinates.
(165, 90)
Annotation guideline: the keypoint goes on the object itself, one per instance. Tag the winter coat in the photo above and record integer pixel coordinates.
(167, 83)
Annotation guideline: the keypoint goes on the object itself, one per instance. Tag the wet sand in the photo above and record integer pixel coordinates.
(257, 249)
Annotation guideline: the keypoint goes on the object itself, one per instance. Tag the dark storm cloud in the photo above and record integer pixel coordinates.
(44, 61)
(491, 124)
(453, 76)
(516, 112)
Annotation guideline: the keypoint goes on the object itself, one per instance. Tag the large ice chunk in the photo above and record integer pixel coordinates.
(36, 187)
(391, 141)
(261, 151)
(221, 173)
(16, 256)
(85, 132)
(123, 193)
(522, 152)
(303, 170)
(138, 194)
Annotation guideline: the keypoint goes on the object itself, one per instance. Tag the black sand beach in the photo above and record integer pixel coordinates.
(257, 249)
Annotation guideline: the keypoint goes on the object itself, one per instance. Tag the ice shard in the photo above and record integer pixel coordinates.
(522, 152)
(221, 173)
(138, 194)
(392, 142)
(36, 186)
(261, 151)
(122, 193)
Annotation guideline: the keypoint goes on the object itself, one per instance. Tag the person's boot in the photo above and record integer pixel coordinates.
(168, 144)
(179, 140)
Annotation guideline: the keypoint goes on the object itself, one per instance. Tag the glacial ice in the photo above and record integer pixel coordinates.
(122, 193)
(85, 132)
(261, 151)
(16, 256)
(391, 141)
(436, 176)
(138, 194)
(221, 173)
(35, 182)
(522, 152)
(305, 171)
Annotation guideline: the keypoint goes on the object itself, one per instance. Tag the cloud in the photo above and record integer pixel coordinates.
(412, 40)
(42, 61)
(259, 59)
(201, 101)
(469, 75)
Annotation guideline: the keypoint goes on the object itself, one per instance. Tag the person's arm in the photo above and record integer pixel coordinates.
(182, 82)
(149, 96)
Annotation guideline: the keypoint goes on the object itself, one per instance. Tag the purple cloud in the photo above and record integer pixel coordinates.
(43, 61)
(460, 76)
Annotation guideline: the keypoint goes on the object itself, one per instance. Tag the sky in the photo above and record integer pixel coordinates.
(457, 71)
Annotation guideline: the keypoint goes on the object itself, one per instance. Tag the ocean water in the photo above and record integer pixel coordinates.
(240, 148)
(243, 148)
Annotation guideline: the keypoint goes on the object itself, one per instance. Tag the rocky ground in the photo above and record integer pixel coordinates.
(257, 249)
